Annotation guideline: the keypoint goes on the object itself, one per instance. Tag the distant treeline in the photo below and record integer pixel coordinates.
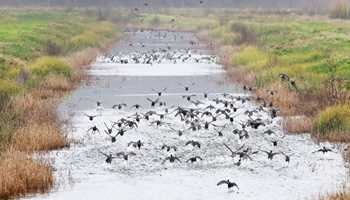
(255, 4)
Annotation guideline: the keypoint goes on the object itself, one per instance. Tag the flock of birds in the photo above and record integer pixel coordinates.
(158, 56)
(166, 55)
(219, 115)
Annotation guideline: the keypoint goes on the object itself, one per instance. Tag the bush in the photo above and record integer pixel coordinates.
(50, 65)
(334, 119)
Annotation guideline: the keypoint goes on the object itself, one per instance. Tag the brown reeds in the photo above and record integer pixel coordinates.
(20, 174)
(337, 196)
(39, 137)
(297, 124)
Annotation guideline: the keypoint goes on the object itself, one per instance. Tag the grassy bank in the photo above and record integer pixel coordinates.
(41, 57)
(310, 52)
(258, 48)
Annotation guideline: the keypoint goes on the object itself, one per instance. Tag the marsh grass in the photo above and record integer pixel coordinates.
(20, 174)
(45, 66)
(333, 123)
(28, 120)
(39, 137)
(297, 124)
(337, 196)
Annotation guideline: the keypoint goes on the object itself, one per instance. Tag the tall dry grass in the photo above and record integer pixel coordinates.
(39, 137)
(287, 101)
(337, 196)
(297, 124)
(38, 128)
(20, 174)
(333, 123)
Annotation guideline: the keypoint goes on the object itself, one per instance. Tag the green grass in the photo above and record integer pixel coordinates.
(26, 34)
(45, 66)
(311, 51)
(28, 38)
(299, 47)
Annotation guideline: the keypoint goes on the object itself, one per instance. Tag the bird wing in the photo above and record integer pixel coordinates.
(167, 158)
(104, 154)
(120, 154)
(131, 143)
(150, 100)
(197, 157)
(264, 151)
(107, 133)
(176, 158)
(317, 151)
(196, 144)
(229, 148)
(222, 182)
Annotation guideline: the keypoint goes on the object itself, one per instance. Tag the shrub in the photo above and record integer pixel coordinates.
(334, 119)
(50, 65)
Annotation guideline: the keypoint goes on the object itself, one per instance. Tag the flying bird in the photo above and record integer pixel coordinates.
(228, 183)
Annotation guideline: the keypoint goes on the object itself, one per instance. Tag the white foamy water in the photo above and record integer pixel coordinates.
(145, 177)
(181, 69)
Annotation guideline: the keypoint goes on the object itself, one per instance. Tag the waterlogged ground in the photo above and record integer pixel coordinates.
(81, 171)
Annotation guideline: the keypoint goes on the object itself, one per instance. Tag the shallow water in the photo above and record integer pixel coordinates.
(81, 172)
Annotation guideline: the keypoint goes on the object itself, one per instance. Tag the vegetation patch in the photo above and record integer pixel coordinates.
(334, 120)
(20, 174)
(45, 66)
(35, 71)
